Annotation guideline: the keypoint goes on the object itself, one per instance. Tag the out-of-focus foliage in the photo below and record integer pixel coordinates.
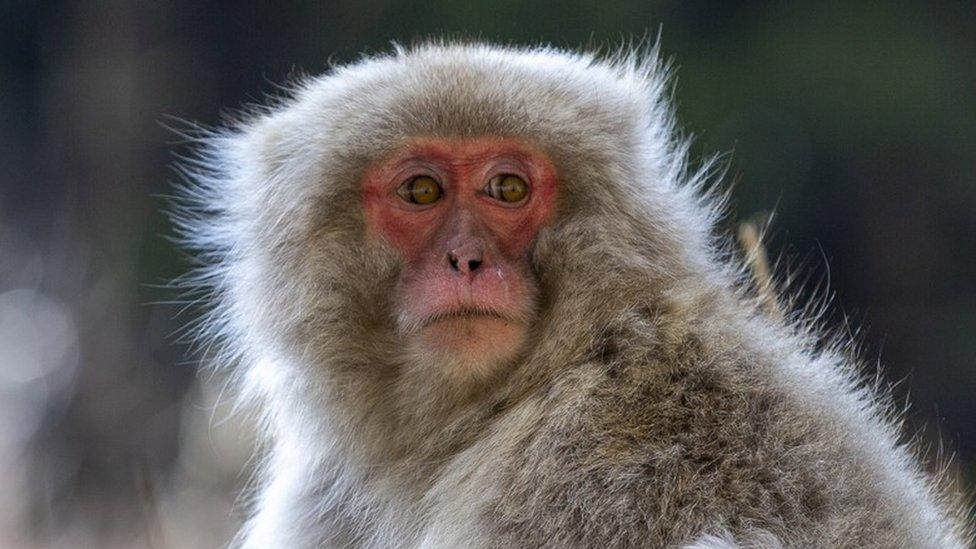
(855, 121)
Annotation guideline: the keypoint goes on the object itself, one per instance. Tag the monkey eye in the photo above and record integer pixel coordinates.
(507, 188)
(422, 189)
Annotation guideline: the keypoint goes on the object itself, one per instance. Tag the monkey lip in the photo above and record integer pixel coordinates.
(465, 313)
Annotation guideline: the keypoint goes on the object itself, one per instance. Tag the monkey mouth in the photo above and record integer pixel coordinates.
(464, 314)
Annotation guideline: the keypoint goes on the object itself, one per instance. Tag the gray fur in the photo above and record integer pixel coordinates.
(655, 406)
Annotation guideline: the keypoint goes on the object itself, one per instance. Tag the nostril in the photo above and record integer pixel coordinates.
(461, 264)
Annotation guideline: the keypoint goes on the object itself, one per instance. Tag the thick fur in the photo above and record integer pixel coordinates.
(655, 406)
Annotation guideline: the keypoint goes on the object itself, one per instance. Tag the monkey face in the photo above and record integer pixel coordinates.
(462, 215)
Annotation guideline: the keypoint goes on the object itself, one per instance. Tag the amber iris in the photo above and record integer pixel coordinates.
(507, 188)
(422, 190)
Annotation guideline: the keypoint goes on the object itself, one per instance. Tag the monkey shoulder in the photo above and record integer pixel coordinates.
(686, 437)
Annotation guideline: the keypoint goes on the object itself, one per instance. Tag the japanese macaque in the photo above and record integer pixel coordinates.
(476, 294)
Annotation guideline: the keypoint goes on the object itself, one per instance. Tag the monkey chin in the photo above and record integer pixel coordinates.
(470, 349)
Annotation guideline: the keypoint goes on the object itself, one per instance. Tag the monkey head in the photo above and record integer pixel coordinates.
(438, 217)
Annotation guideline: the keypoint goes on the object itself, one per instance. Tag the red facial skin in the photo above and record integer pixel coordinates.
(467, 251)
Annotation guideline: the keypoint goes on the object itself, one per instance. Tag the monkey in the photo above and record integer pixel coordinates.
(478, 298)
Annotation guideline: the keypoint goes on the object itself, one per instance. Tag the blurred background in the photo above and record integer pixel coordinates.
(854, 121)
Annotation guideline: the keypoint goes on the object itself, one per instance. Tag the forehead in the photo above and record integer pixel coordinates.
(460, 151)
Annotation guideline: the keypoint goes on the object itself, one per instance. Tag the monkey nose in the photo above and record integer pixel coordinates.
(465, 262)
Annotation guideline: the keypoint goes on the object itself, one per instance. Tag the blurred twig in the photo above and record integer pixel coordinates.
(750, 238)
